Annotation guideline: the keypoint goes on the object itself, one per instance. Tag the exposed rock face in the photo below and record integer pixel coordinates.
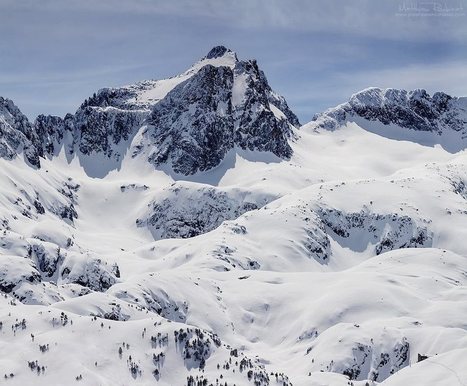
(415, 110)
(40, 269)
(382, 366)
(192, 120)
(47, 260)
(217, 109)
(106, 120)
(387, 231)
(184, 210)
(112, 97)
(17, 134)
(154, 299)
(217, 52)
(52, 130)
(16, 270)
(192, 126)
(317, 243)
(93, 273)
(263, 119)
(101, 130)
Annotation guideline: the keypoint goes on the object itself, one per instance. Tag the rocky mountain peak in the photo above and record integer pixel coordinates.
(218, 56)
(189, 121)
(218, 52)
(216, 110)
(17, 134)
(438, 118)
(418, 100)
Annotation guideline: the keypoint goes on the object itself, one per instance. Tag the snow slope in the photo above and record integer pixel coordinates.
(341, 263)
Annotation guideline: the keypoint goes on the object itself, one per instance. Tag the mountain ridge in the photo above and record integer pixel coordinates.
(187, 232)
(441, 117)
(105, 120)
(111, 118)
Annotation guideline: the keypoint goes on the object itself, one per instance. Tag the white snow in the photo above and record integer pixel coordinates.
(151, 92)
(353, 263)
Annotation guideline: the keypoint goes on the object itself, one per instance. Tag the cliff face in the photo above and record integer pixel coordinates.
(217, 109)
(17, 135)
(189, 121)
(415, 110)
(343, 265)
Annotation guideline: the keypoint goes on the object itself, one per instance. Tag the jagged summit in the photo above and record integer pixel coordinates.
(189, 121)
(414, 109)
(438, 119)
(341, 266)
(219, 51)
(227, 103)
(17, 134)
(218, 56)
(419, 100)
(145, 94)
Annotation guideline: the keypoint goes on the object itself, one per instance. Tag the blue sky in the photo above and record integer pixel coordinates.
(55, 53)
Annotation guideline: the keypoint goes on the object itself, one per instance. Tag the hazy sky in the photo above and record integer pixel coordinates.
(55, 53)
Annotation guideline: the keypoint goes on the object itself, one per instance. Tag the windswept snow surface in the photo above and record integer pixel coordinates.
(342, 264)
(348, 264)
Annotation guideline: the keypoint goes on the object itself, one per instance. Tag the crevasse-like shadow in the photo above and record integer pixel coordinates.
(215, 175)
(450, 140)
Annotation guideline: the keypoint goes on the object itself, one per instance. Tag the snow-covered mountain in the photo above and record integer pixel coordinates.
(188, 122)
(188, 231)
(438, 119)
(17, 134)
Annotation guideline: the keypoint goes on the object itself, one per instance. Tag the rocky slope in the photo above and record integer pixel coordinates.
(185, 210)
(441, 116)
(189, 122)
(220, 245)
(17, 134)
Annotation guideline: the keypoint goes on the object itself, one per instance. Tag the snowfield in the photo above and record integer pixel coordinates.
(189, 232)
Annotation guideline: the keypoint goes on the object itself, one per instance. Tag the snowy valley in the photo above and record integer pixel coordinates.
(191, 231)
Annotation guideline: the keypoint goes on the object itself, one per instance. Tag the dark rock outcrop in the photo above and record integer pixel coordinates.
(51, 130)
(192, 126)
(184, 210)
(415, 110)
(217, 109)
(17, 134)
(193, 119)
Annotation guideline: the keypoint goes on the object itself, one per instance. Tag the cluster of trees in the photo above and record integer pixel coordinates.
(195, 345)
(134, 368)
(159, 340)
(34, 366)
